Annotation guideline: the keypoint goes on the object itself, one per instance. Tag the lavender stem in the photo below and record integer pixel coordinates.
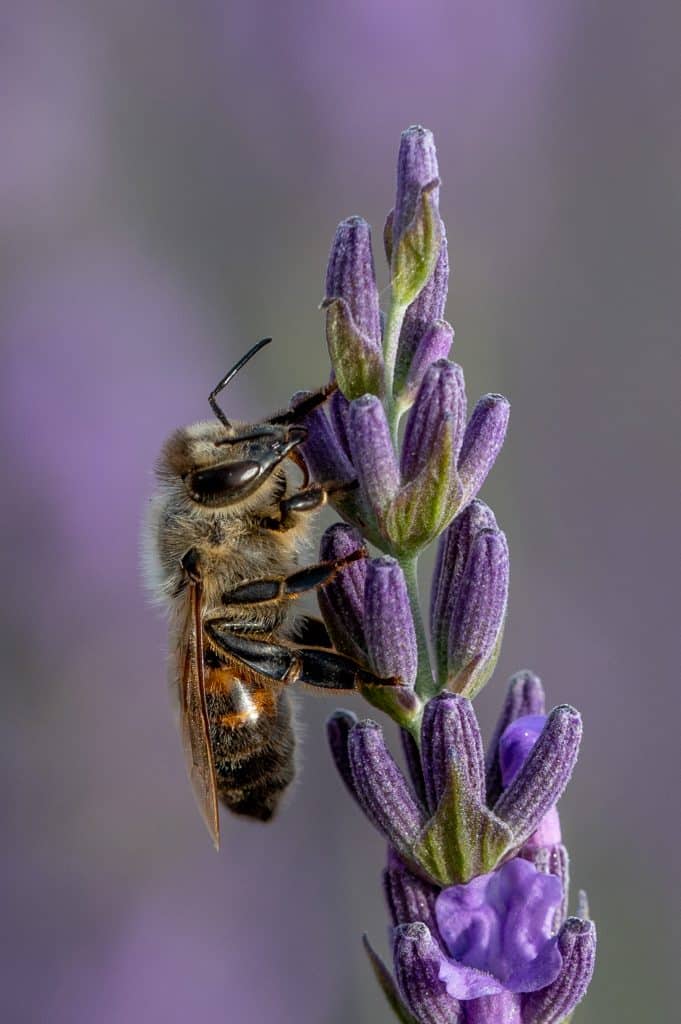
(391, 338)
(425, 686)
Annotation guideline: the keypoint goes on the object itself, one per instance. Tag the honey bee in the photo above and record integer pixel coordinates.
(224, 534)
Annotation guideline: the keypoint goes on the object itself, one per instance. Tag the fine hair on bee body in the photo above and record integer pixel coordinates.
(224, 535)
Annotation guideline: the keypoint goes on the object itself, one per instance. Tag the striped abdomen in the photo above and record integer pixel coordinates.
(253, 742)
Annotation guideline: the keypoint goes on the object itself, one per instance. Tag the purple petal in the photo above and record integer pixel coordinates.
(416, 168)
(552, 860)
(342, 600)
(540, 782)
(577, 946)
(515, 744)
(409, 898)
(382, 789)
(350, 276)
(499, 926)
(418, 963)
(450, 730)
(482, 441)
(373, 454)
(525, 696)
(339, 414)
(452, 554)
(388, 622)
(442, 393)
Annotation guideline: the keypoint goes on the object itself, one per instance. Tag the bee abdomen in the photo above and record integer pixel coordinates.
(254, 759)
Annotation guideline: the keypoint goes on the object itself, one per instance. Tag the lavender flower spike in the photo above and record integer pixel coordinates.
(577, 946)
(391, 639)
(353, 325)
(477, 621)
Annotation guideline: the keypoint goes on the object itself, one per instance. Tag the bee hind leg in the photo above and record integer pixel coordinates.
(290, 662)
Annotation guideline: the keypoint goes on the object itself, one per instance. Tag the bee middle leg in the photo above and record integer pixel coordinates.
(288, 662)
(282, 588)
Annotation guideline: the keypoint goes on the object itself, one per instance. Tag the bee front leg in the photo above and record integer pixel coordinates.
(292, 663)
(309, 499)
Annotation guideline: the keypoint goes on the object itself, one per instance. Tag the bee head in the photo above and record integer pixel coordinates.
(221, 466)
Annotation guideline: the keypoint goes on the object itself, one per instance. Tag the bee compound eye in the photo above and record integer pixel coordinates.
(224, 483)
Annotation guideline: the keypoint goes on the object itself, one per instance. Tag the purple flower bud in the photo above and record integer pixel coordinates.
(540, 782)
(450, 731)
(434, 343)
(416, 168)
(452, 554)
(373, 453)
(427, 308)
(478, 616)
(339, 413)
(409, 898)
(497, 932)
(337, 731)
(442, 393)
(381, 788)
(323, 451)
(515, 745)
(552, 860)
(342, 600)
(388, 622)
(413, 758)
(351, 276)
(418, 962)
(577, 945)
(525, 697)
(414, 234)
(482, 441)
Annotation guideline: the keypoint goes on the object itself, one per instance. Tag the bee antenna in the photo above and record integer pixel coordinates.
(230, 376)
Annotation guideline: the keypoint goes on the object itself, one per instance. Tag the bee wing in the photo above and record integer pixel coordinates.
(194, 715)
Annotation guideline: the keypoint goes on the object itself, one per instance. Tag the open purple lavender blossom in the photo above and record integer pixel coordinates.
(477, 875)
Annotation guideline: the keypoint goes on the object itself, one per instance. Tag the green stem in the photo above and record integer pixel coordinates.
(425, 686)
(391, 340)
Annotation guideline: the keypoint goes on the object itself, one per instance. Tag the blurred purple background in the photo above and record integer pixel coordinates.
(170, 180)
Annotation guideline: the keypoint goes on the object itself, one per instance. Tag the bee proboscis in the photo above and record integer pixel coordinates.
(224, 534)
